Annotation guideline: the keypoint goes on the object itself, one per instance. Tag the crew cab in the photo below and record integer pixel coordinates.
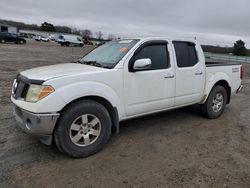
(79, 104)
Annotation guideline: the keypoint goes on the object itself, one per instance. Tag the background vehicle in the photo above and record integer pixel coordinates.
(67, 40)
(78, 105)
(41, 38)
(9, 37)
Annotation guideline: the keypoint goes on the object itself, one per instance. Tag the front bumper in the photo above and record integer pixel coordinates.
(39, 125)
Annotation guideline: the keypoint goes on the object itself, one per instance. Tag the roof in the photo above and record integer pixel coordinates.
(189, 39)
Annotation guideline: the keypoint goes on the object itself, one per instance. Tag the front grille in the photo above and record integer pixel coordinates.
(21, 88)
(25, 91)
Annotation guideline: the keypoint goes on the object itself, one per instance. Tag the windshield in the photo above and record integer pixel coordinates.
(13, 35)
(110, 53)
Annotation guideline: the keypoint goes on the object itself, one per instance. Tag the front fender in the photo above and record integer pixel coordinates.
(78, 90)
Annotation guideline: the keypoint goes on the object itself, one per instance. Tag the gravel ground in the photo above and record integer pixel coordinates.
(178, 148)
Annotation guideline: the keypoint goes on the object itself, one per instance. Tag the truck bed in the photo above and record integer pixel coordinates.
(229, 71)
(217, 63)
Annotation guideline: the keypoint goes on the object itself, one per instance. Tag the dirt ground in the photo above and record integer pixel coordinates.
(178, 148)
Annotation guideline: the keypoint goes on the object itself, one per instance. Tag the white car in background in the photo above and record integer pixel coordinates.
(42, 38)
(70, 40)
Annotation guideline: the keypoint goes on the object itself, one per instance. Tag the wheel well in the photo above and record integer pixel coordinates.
(113, 112)
(225, 84)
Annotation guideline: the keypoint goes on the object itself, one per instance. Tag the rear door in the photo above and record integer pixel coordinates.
(152, 89)
(190, 75)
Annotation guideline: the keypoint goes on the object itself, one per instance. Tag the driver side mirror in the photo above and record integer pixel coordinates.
(142, 64)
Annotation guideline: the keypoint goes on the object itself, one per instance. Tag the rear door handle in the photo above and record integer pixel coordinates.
(199, 73)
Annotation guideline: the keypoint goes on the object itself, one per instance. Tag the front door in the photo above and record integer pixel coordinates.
(151, 89)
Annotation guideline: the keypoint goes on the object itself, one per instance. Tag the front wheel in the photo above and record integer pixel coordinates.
(2, 41)
(216, 103)
(83, 129)
(21, 42)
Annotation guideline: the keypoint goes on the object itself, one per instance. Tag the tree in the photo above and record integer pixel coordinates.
(76, 31)
(111, 37)
(63, 29)
(99, 35)
(86, 34)
(47, 27)
(239, 48)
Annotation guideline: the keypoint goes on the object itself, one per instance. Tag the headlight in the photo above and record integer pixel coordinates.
(37, 92)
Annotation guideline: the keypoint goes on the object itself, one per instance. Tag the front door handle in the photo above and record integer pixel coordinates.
(199, 73)
(169, 76)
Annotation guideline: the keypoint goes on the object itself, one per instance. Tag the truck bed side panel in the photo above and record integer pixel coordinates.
(220, 71)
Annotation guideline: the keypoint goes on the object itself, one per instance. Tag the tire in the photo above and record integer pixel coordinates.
(21, 42)
(70, 136)
(80, 45)
(216, 103)
(3, 41)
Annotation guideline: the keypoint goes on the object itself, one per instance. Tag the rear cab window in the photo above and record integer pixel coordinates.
(186, 54)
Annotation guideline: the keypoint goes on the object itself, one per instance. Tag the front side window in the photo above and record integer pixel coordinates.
(158, 55)
(186, 55)
(110, 53)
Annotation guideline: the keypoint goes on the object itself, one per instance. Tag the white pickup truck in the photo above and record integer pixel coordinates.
(78, 105)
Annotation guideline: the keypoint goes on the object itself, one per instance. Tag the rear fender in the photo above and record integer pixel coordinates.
(211, 82)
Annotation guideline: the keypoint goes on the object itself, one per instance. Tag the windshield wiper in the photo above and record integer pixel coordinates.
(93, 63)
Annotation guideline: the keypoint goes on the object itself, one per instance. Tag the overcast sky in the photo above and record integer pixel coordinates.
(212, 21)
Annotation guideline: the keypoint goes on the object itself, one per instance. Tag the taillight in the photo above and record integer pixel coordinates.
(241, 72)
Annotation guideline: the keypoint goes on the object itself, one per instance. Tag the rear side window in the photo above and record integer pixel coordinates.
(158, 55)
(185, 54)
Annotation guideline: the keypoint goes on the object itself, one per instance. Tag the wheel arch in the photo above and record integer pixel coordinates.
(112, 110)
(224, 83)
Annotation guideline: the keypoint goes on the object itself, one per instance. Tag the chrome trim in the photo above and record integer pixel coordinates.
(35, 124)
(198, 73)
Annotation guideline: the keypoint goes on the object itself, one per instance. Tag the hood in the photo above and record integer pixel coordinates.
(59, 70)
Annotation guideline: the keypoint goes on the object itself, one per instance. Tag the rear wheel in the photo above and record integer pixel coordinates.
(3, 41)
(83, 129)
(216, 102)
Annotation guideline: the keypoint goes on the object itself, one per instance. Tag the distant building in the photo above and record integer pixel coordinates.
(8, 28)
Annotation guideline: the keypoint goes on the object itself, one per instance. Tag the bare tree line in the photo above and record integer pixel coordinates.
(85, 33)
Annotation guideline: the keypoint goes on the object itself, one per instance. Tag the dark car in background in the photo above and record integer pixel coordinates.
(10, 37)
